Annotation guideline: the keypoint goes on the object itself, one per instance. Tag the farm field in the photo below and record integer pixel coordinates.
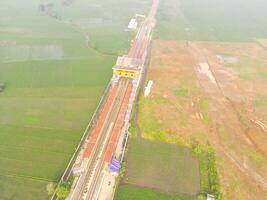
(131, 192)
(208, 65)
(55, 70)
(211, 92)
(168, 168)
(207, 20)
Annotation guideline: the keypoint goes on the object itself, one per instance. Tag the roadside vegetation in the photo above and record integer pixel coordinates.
(63, 190)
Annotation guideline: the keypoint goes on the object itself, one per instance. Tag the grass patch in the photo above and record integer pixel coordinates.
(131, 192)
(167, 167)
(261, 101)
(248, 68)
(182, 92)
(151, 127)
(253, 155)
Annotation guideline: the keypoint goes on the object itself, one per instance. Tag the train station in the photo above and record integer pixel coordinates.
(127, 67)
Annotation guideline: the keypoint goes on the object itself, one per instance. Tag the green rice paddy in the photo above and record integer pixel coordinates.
(55, 72)
(165, 167)
(131, 192)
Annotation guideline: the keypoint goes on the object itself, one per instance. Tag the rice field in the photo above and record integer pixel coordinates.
(212, 20)
(131, 192)
(161, 166)
(55, 71)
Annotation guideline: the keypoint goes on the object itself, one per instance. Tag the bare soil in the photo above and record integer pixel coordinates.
(263, 42)
(222, 112)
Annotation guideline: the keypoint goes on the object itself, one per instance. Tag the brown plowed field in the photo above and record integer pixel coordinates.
(214, 92)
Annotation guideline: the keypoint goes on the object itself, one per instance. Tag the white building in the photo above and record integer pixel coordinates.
(148, 88)
(132, 24)
(210, 197)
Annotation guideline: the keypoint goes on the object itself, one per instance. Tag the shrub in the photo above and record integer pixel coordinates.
(208, 169)
(63, 190)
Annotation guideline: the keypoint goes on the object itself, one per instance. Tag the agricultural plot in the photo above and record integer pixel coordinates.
(187, 107)
(209, 96)
(55, 66)
(131, 192)
(216, 20)
(168, 168)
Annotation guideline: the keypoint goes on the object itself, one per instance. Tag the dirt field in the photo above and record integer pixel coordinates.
(214, 92)
(263, 42)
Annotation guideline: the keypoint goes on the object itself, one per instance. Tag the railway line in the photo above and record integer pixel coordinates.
(95, 162)
(97, 155)
(103, 142)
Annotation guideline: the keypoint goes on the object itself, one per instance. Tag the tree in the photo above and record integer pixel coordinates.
(62, 191)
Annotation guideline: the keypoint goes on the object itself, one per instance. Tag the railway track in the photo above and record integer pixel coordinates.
(100, 148)
(89, 181)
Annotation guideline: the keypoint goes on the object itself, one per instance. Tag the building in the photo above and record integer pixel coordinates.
(127, 67)
(148, 88)
(132, 24)
(210, 197)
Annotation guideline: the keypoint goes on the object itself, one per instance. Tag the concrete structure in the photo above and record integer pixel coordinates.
(127, 72)
(127, 67)
(210, 197)
(132, 24)
(148, 88)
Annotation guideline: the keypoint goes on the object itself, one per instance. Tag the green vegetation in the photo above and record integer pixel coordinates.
(151, 128)
(191, 174)
(63, 190)
(249, 68)
(254, 156)
(50, 68)
(211, 20)
(208, 170)
(163, 166)
(182, 92)
(261, 101)
(130, 192)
